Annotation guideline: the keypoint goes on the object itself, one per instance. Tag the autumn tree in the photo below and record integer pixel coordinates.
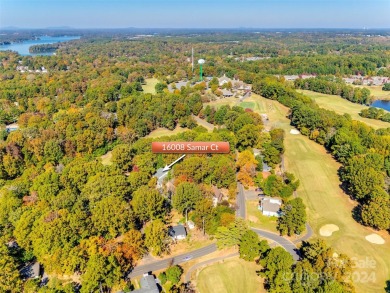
(376, 213)
(246, 163)
(148, 204)
(186, 196)
(156, 237)
(100, 273)
(250, 246)
(232, 234)
(111, 216)
(277, 265)
(293, 217)
(10, 280)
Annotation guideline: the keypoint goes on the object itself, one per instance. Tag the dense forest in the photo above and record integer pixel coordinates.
(93, 222)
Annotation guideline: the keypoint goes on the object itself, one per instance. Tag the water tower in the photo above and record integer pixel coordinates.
(201, 62)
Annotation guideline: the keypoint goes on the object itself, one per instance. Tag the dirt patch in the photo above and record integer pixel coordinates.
(253, 219)
(327, 230)
(295, 131)
(375, 238)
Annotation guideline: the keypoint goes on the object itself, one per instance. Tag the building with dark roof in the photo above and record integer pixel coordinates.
(177, 232)
(31, 271)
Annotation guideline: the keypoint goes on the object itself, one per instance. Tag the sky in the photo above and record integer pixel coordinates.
(195, 14)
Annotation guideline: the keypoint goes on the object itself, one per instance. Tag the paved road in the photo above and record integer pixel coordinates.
(187, 276)
(285, 243)
(240, 212)
(203, 122)
(309, 233)
(165, 263)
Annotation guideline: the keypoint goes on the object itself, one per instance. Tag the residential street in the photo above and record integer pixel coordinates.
(165, 263)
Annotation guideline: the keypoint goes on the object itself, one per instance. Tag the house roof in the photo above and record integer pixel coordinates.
(160, 175)
(177, 231)
(270, 204)
(217, 192)
(227, 92)
(224, 79)
(148, 285)
(31, 271)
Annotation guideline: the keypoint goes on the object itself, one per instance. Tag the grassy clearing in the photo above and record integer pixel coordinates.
(106, 159)
(257, 219)
(327, 204)
(250, 105)
(341, 106)
(224, 101)
(165, 132)
(231, 276)
(149, 86)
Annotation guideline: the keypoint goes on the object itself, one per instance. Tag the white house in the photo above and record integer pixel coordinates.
(270, 206)
(224, 79)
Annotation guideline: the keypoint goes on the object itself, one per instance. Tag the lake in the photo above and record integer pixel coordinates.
(22, 48)
(382, 104)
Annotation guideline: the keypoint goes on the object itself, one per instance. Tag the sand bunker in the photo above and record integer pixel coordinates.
(294, 131)
(327, 230)
(375, 238)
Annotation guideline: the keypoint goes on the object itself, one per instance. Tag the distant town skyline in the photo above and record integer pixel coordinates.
(195, 14)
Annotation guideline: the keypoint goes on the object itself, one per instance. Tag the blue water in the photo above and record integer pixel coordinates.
(382, 104)
(22, 48)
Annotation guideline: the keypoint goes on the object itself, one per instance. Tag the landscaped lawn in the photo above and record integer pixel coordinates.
(327, 204)
(231, 276)
(341, 106)
(249, 105)
(149, 86)
(223, 101)
(257, 219)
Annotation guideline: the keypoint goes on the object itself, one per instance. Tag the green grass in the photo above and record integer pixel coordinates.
(257, 219)
(250, 105)
(341, 106)
(149, 86)
(325, 201)
(224, 101)
(232, 276)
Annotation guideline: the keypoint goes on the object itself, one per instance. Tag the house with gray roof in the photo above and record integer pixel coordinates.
(148, 285)
(31, 271)
(177, 232)
(160, 175)
(270, 206)
(227, 93)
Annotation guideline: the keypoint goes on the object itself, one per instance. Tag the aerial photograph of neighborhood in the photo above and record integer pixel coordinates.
(181, 146)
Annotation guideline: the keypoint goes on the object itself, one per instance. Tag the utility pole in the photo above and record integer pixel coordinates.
(203, 226)
(192, 63)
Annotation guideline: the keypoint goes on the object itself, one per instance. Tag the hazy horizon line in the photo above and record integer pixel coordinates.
(189, 28)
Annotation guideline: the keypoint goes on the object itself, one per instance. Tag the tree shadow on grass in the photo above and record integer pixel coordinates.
(357, 214)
